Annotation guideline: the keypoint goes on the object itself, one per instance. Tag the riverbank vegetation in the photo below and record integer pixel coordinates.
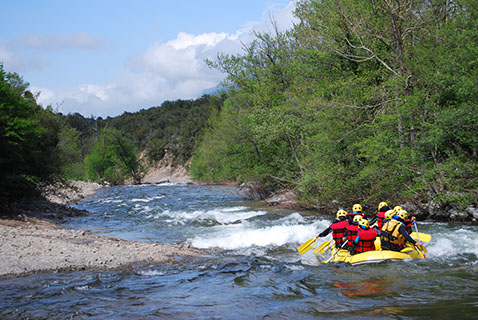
(41, 147)
(359, 102)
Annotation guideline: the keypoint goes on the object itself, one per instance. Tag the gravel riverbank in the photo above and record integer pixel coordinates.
(34, 242)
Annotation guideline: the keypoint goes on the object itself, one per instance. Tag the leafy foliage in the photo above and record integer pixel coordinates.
(28, 138)
(360, 102)
(113, 158)
(39, 146)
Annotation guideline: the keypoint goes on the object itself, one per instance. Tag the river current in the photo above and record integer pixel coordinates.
(250, 270)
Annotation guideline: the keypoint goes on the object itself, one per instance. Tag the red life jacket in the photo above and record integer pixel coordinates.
(351, 216)
(381, 219)
(408, 225)
(366, 240)
(338, 231)
(352, 231)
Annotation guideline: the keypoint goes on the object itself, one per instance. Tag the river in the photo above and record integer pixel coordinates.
(251, 268)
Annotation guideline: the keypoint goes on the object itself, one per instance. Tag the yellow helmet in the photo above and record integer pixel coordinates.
(364, 224)
(389, 214)
(341, 213)
(402, 214)
(397, 208)
(382, 204)
(357, 218)
(357, 208)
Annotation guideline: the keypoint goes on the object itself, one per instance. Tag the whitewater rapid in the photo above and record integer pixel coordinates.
(250, 269)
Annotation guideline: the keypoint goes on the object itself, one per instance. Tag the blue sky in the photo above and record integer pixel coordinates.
(105, 57)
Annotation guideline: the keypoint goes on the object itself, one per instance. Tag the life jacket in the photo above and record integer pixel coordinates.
(392, 233)
(352, 231)
(338, 231)
(408, 225)
(351, 215)
(381, 220)
(366, 241)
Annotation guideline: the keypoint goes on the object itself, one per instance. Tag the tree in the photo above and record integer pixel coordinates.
(113, 158)
(28, 139)
(360, 102)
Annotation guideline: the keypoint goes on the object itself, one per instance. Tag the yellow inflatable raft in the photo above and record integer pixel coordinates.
(379, 255)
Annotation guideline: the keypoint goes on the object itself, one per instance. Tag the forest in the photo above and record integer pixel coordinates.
(42, 147)
(361, 101)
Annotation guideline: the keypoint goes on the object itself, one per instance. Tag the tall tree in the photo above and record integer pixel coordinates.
(355, 104)
(28, 138)
(113, 159)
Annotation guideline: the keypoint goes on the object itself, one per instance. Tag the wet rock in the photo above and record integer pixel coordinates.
(252, 191)
(287, 200)
(456, 214)
(472, 212)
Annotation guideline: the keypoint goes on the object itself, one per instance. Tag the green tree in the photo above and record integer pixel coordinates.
(70, 153)
(28, 139)
(361, 101)
(113, 158)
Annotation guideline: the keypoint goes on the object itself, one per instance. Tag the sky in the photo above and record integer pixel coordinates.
(103, 57)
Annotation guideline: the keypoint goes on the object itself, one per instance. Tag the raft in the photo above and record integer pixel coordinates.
(375, 256)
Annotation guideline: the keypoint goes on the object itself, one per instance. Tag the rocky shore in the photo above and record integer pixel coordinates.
(422, 211)
(32, 241)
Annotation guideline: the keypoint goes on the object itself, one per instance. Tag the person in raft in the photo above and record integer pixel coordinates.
(394, 233)
(388, 216)
(356, 210)
(351, 232)
(379, 219)
(338, 227)
(365, 240)
(408, 223)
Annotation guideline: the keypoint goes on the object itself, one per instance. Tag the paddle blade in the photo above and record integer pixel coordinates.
(423, 236)
(421, 253)
(306, 246)
(323, 247)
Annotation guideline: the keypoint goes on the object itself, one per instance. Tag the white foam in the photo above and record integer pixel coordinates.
(83, 288)
(170, 184)
(111, 201)
(293, 218)
(309, 259)
(234, 209)
(294, 267)
(446, 244)
(147, 199)
(151, 273)
(222, 216)
(247, 235)
(142, 208)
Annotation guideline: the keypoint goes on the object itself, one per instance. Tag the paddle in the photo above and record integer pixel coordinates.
(323, 247)
(418, 236)
(423, 236)
(327, 261)
(303, 248)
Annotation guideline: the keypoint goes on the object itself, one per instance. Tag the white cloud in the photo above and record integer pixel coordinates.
(78, 40)
(282, 17)
(185, 40)
(14, 62)
(183, 58)
(164, 71)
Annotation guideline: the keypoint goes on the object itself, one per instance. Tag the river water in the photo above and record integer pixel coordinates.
(251, 268)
